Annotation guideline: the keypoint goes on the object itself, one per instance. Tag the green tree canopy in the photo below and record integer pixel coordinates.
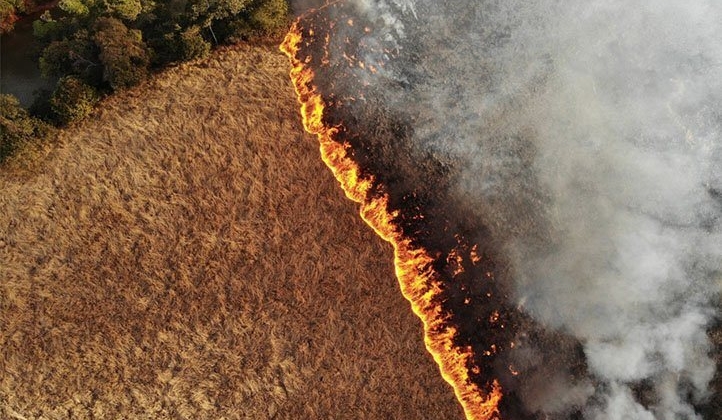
(72, 99)
(124, 55)
(8, 11)
(17, 128)
(77, 7)
(77, 55)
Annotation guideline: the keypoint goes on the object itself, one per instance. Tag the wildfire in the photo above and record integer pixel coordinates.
(419, 282)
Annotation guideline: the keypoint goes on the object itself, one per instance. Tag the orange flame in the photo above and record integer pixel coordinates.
(417, 279)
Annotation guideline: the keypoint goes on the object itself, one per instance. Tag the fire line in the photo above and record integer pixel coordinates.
(418, 281)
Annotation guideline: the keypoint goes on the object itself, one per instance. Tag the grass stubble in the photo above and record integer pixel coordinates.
(184, 253)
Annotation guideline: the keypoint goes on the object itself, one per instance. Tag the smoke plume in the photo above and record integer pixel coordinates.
(586, 137)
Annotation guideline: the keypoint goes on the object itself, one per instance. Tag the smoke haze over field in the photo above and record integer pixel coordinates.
(587, 138)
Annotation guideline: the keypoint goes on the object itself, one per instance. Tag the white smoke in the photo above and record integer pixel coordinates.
(626, 132)
(588, 135)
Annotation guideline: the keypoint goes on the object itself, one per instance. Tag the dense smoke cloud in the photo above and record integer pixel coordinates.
(587, 136)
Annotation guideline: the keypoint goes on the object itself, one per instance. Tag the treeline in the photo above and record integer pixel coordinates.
(96, 47)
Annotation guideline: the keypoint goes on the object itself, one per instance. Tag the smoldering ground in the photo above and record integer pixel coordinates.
(582, 140)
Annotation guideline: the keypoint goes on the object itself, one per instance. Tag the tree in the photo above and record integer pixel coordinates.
(76, 56)
(191, 44)
(8, 13)
(259, 18)
(46, 28)
(124, 9)
(205, 12)
(72, 99)
(127, 10)
(268, 16)
(77, 7)
(123, 54)
(17, 128)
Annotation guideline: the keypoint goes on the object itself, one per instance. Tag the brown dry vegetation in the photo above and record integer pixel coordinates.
(185, 254)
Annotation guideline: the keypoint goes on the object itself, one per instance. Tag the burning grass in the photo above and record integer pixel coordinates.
(184, 253)
(418, 281)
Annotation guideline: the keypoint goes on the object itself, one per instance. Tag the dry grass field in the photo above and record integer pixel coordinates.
(185, 254)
